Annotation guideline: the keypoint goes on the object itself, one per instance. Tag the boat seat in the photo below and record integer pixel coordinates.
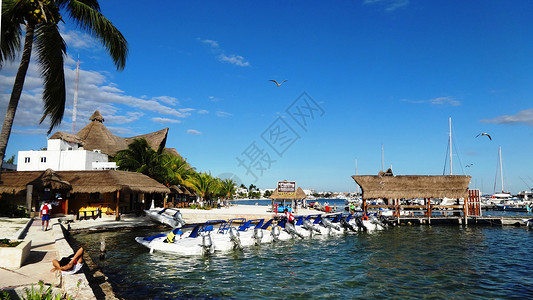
(317, 219)
(267, 224)
(150, 238)
(245, 226)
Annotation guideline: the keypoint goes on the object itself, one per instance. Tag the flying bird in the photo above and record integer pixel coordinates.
(468, 166)
(277, 84)
(484, 133)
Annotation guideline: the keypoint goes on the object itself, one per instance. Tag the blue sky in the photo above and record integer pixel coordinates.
(360, 74)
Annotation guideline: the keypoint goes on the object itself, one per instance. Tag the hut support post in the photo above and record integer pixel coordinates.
(117, 215)
(398, 210)
(29, 197)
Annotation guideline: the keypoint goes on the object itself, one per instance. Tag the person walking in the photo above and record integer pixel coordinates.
(44, 212)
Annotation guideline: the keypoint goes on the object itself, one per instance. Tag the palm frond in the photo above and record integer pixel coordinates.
(50, 48)
(92, 21)
(91, 3)
(10, 44)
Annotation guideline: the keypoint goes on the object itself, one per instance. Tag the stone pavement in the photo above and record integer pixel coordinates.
(45, 246)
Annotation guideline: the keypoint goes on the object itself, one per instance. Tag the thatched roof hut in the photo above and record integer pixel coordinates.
(300, 194)
(96, 136)
(50, 179)
(106, 181)
(175, 189)
(413, 186)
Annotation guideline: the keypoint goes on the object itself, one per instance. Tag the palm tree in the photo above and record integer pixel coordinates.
(179, 170)
(228, 188)
(204, 184)
(141, 158)
(40, 18)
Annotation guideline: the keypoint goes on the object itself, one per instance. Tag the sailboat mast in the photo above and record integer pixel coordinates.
(501, 166)
(450, 139)
(75, 105)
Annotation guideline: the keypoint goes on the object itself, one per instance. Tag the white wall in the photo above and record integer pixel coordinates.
(70, 160)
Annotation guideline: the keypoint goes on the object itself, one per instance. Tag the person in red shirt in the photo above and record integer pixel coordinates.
(44, 212)
(289, 216)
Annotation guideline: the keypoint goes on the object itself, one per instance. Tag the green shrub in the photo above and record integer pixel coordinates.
(9, 243)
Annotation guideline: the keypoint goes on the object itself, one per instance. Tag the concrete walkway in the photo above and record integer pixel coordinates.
(45, 247)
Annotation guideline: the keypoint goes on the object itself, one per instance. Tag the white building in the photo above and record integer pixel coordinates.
(61, 155)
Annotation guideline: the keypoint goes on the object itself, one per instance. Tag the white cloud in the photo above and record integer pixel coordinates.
(193, 132)
(168, 100)
(444, 100)
(203, 112)
(222, 56)
(165, 120)
(213, 44)
(78, 39)
(524, 117)
(223, 114)
(436, 101)
(214, 99)
(95, 91)
(234, 60)
(389, 5)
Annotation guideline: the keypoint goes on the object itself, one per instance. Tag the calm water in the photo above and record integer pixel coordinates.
(404, 262)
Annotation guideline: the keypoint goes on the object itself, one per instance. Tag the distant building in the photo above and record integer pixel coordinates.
(8, 167)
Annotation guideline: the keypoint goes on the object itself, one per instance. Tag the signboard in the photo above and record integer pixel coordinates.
(287, 188)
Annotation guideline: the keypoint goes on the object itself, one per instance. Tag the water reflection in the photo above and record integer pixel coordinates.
(403, 262)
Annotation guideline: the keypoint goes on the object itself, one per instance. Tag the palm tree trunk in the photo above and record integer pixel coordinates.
(17, 90)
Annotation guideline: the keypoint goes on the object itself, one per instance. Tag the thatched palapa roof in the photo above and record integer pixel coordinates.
(413, 186)
(300, 194)
(96, 136)
(106, 181)
(51, 179)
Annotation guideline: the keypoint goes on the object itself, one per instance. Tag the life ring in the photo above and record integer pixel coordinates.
(365, 218)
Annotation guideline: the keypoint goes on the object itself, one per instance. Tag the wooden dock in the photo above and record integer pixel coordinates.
(460, 220)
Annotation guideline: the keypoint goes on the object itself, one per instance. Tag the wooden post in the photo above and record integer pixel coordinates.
(428, 203)
(29, 197)
(465, 211)
(117, 215)
(398, 210)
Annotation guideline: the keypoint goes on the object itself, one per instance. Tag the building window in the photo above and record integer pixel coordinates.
(26, 159)
(43, 159)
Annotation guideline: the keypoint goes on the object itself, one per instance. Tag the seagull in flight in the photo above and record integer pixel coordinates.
(484, 133)
(277, 84)
(468, 166)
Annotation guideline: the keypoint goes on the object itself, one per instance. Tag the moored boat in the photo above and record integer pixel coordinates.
(168, 216)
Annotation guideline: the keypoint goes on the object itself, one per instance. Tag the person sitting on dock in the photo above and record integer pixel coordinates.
(67, 265)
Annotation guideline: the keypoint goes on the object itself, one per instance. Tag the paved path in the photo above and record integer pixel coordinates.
(37, 266)
(45, 247)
